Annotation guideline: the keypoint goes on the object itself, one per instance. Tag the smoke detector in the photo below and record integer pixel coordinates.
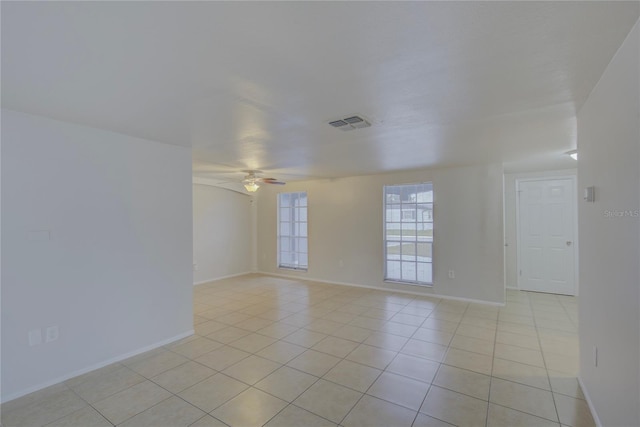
(350, 123)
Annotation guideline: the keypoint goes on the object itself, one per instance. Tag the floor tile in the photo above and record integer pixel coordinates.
(99, 387)
(328, 400)
(565, 384)
(400, 390)
(413, 367)
(573, 412)
(427, 350)
(252, 343)
(314, 362)
(519, 354)
(292, 416)
(386, 341)
(277, 330)
(373, 412)
(519, 340)
(228, 334)
(521, 373)
(334, 346)
(455, 408)
(213, 392)
(499, 416)
(208, 421)
(154, 365)
(281, 352)
(352, 333)
(476, 362)
(475, 345)
(371, 356)
(305, 338)
(423, 420)
(252, 369)
(286, 383)
(125, 404)
(523, 398)
(85, 417)
(353, 375)
(38, 412)
(431, 335)
(173, 412)
(463, 381)
(222, 358)
(250, 408)
(196, 348)
(182, 377)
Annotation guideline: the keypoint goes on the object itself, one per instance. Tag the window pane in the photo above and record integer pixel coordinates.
(285, 214)
(424, 252)
(303, 260)
(393, 231)
(393, 213)
(408, 193)
(302, 199)
(285, 244)
(302, 229)
(425, 273)
(284, 200)
(285, 229)
(393, 270)
(409, 271)
(301, 214)
(302, 244)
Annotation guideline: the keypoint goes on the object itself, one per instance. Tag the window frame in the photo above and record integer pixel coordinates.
(293, 223)
(401, 221)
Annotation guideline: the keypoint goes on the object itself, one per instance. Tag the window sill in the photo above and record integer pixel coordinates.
(421, 285)
(293, 269)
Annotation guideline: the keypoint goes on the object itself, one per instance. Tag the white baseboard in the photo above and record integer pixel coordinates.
(96, 366)
(202, 282)
(590, 403)
(376, 288)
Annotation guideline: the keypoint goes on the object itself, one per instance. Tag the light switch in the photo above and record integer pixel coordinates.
(589, 194)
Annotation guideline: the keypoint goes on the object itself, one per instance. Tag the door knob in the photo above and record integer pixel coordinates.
(569, 243)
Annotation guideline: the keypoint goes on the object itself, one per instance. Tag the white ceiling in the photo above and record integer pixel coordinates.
(252, 85)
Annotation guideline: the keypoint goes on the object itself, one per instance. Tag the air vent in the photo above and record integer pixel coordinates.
(350, 123)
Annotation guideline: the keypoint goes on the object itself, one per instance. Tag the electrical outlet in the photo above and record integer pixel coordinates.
(452, 274)
(35, 337)
(52, 333)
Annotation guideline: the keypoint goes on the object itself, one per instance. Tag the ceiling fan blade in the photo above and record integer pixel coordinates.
(274, 182)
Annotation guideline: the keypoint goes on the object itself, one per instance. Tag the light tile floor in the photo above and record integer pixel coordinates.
(278, 352)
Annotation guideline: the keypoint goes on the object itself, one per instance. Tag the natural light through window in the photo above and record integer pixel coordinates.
(292, 231)
(408, 222)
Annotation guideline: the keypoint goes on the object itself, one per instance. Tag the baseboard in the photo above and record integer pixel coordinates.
(512, 287)
(401, 291)
(96, 366)
(590, 403)
(202, 282)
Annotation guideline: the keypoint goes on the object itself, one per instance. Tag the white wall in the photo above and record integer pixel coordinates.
(115, 275)
(510, 219)
(609, 153)
(345, 224)
(223, 232)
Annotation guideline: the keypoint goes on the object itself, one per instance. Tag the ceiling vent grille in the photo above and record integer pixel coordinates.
(350, 123)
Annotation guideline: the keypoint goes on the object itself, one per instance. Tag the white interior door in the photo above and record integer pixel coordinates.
(546, 235)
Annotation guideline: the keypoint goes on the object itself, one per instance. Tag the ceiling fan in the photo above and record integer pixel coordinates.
(252, 181)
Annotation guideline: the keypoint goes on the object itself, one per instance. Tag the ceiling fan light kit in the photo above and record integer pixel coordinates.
(252, 180)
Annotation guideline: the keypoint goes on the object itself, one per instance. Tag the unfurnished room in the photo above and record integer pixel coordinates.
(375, 214)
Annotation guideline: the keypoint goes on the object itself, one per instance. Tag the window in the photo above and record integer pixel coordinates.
(292, 231)
(408, 222)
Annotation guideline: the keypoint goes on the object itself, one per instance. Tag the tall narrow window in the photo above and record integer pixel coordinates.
(408, 222)
(292, 231)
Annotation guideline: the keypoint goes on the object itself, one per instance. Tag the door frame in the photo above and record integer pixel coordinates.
(574, 180)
